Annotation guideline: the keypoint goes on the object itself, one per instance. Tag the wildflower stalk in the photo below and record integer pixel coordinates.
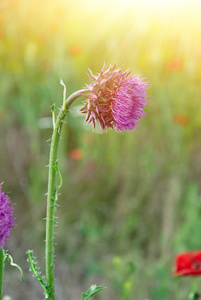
(115, 100)
(52, 191)
(177, 288)
(1, 270)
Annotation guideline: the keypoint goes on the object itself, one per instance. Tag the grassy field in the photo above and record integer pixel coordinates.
(129, 203)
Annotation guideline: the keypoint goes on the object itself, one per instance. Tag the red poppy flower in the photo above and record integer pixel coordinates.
(182, 120)
(76, 50)
(76, 154)
(188, 264)
(174, 64)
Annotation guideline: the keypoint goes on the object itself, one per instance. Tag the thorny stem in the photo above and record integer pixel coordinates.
(1, 270)
(51, 194)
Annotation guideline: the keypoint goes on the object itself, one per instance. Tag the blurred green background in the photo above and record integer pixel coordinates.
(129, 203)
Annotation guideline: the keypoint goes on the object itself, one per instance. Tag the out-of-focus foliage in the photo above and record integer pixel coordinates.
(133, 196)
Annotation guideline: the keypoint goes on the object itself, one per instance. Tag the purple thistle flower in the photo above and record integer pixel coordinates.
(115, 99)
(6, 218)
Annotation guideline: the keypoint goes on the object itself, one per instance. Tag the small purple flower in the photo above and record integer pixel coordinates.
(6, 218)
(115, 99)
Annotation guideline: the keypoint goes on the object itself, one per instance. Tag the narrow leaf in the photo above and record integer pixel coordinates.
(64, 94)
(92, 291)
(35, 271)
(53, 115)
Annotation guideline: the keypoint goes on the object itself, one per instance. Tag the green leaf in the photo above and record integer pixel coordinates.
(64, 94)
(92, 291)
(60, 176)
(194, 296)
(53, 115)
(35, 270)
(131, 267)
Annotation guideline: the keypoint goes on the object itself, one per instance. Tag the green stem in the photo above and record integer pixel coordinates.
(1, 271)
(51, 194)
(177, 280)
